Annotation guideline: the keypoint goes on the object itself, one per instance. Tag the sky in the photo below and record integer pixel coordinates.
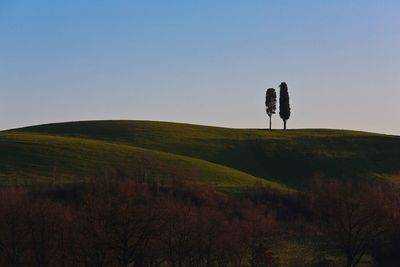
(202, 62)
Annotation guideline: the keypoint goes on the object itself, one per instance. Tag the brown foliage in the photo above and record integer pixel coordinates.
(45, 225)
(14, 229)
(353, 218)
(31, 230)
(386, 250)
(130, 224)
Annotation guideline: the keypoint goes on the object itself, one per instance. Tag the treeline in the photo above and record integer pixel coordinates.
(125, 223)
(131, 224)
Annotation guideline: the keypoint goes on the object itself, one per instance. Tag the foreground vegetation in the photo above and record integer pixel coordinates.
(126, 223)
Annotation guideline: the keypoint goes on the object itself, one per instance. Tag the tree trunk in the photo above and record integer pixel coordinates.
(349, 260)
(284, 125)
(270, 123)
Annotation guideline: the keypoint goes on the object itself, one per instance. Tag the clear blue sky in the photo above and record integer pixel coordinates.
(206, 62)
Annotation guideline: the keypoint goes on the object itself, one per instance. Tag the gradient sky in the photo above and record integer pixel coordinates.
(203, 62)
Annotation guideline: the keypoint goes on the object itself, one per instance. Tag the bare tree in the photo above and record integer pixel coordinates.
(14, 230)
(260, 229)
(351, 217)
(45, 231)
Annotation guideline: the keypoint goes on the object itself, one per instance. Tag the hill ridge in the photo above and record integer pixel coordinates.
(292, 157)
(22, 128)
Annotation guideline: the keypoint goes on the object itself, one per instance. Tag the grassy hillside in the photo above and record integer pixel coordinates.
(41, 158)
(293, 157)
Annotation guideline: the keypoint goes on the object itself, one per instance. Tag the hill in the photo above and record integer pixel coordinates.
(291, 157)
(28, 158)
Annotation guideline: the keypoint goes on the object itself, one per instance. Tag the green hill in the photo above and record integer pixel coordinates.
(223, 156)
(41, 158)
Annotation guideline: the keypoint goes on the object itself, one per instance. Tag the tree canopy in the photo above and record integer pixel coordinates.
(270, 104)
(284, 105)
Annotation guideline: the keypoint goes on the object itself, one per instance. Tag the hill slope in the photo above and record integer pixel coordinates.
(43, 158)
(292, 157)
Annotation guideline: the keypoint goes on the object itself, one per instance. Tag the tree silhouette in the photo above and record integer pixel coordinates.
(270, 104)
(284, 106)
(352, 218)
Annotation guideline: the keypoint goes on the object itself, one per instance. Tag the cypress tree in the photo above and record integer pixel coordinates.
(284, 106)
(270, 104)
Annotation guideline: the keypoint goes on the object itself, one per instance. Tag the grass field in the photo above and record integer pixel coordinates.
(220, 156)
(40, 158)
